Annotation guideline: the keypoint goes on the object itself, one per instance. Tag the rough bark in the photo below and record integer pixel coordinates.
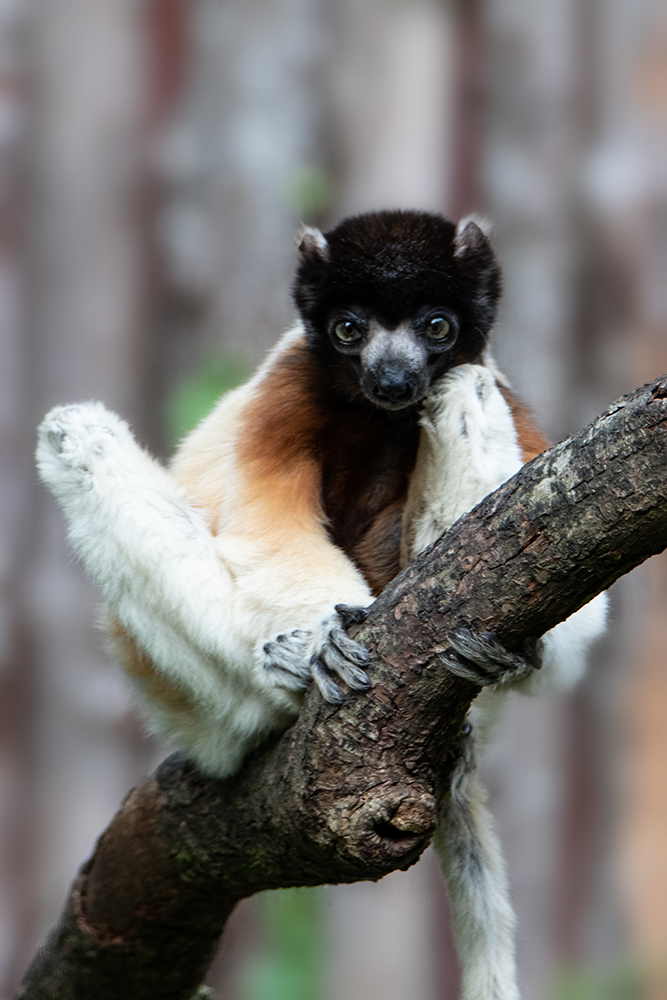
(350, 792)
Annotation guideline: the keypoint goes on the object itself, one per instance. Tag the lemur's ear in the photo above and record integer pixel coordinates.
(312, 245)
(472, 234)
(476, 261)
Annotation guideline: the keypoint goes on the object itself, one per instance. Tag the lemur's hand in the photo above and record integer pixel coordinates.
(303, 656)
(480, 657)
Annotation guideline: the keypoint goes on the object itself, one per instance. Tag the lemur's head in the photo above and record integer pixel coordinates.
(392, 300)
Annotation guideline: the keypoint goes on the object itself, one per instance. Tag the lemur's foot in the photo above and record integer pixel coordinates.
(467, 414)
(480, 658)
(72, 440)
(300, 657)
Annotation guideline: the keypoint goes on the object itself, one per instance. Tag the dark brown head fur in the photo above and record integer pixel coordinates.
(387, 272)
(392, 266)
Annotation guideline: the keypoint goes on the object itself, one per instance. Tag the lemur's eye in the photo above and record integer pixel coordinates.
(347, 331)
(438, 328)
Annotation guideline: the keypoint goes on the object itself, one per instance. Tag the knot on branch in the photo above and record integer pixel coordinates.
(387, 828)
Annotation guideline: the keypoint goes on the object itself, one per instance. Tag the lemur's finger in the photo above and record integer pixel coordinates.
(287, 665)
(351, 650)
(296, 643)
(287, 678)
(327, 686)
(354, 677)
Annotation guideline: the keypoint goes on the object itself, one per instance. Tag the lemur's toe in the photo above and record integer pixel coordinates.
(481, 658)
(325, 682)
(72, 439)
(340, 654)
(351, 615)
(347, 665)
(286, 660)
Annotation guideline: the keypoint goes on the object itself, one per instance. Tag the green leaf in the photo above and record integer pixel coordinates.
(196, 394)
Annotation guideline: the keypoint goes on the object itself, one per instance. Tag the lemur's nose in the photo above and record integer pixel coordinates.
(393, 385)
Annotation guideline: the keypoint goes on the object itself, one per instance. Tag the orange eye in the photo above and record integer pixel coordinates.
(438, 328)
(347, 332)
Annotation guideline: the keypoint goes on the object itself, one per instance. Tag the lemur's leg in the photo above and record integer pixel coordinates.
(147, 550)
(470, 854)
(468, 447)
(156, 564)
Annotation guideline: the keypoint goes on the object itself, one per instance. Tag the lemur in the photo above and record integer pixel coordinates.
(231, 577)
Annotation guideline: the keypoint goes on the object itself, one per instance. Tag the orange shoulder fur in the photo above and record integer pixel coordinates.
(532, 439)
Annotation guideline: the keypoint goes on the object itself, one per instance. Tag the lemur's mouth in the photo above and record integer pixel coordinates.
(391, 404)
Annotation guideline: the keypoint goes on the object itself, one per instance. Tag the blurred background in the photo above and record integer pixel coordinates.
(156, 157)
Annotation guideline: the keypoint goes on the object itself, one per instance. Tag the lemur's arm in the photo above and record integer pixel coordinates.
(470, 444)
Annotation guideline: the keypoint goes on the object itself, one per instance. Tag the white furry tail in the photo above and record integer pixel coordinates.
(483, 921)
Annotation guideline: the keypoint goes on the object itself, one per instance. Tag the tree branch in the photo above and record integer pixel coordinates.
(349, 792)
